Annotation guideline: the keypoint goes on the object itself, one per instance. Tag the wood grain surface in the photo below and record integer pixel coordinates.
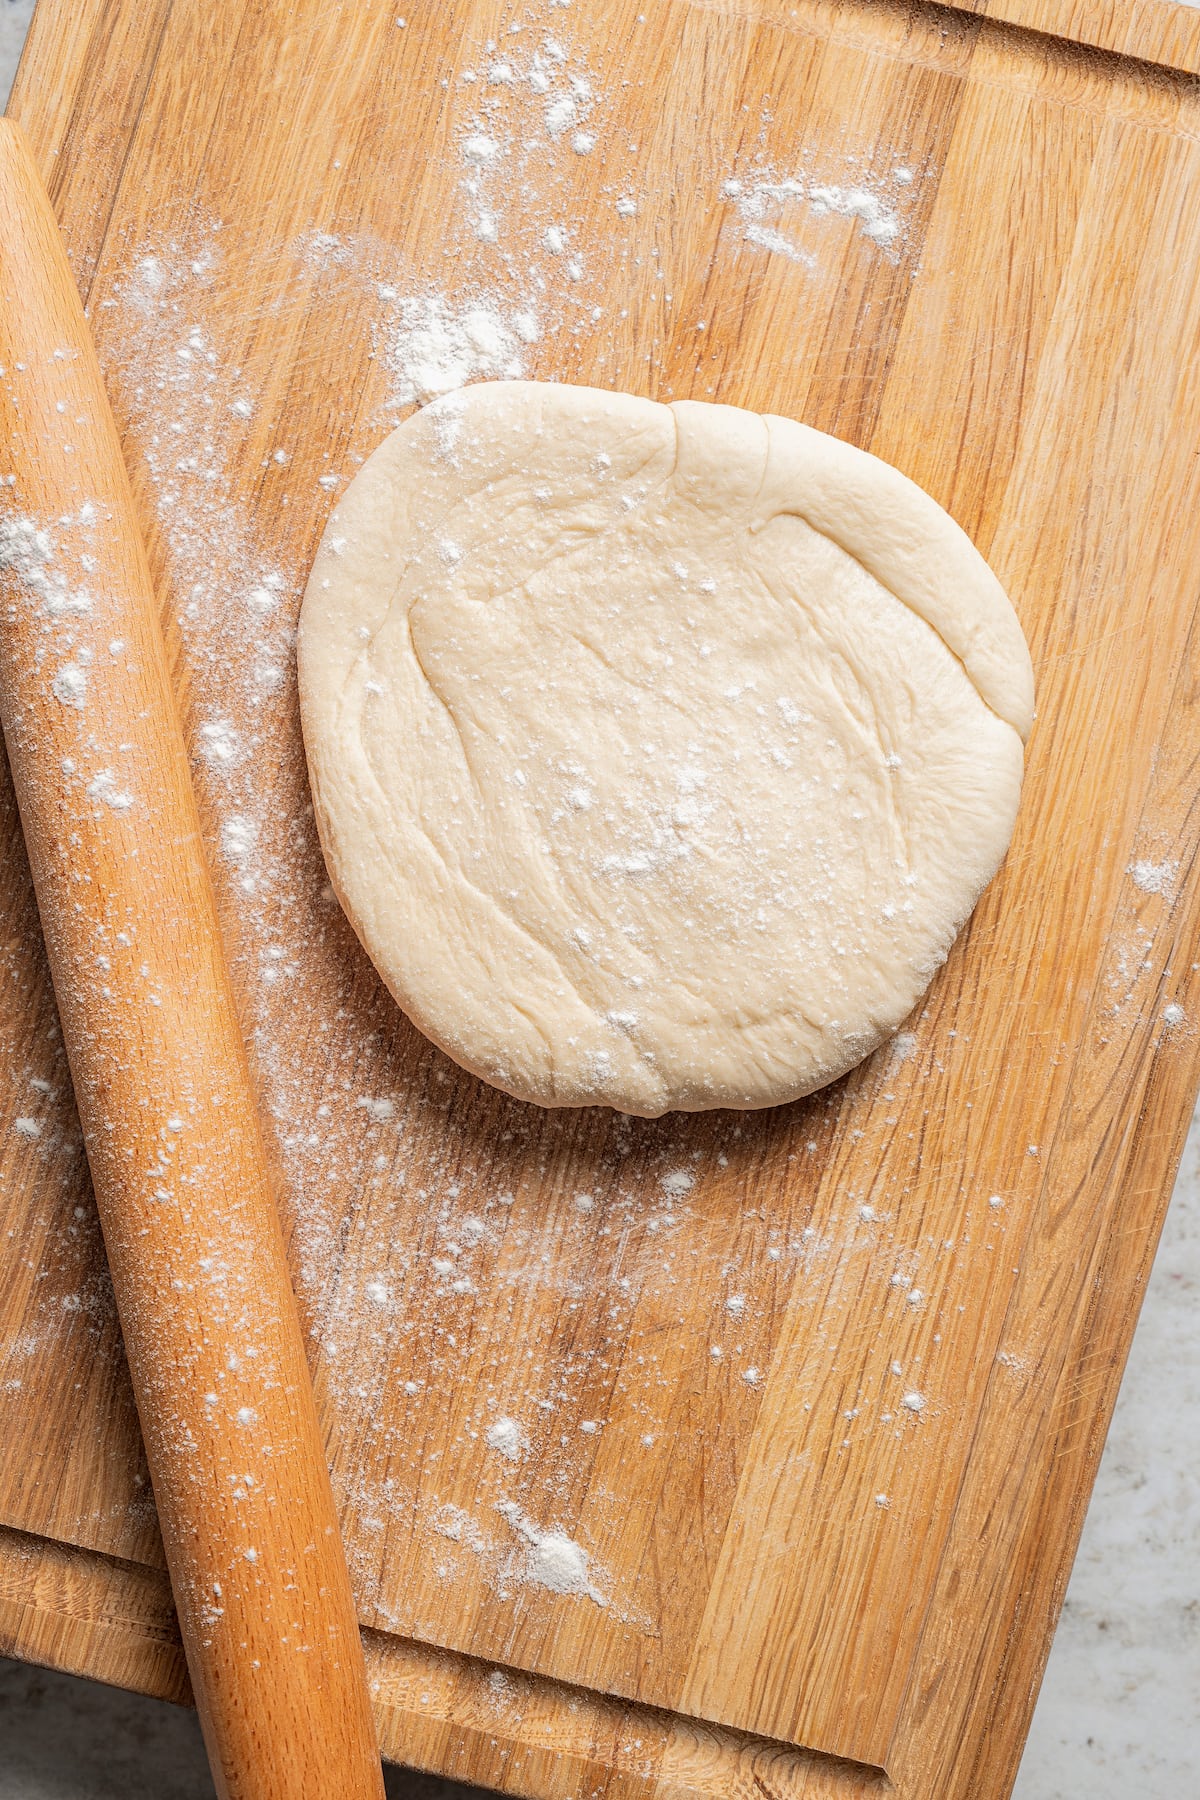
(781, 1552)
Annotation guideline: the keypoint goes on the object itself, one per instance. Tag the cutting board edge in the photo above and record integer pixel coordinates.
(82, 1613)
(1150, 31)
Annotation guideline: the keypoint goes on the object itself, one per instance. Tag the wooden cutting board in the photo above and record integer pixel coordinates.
(731, 1454)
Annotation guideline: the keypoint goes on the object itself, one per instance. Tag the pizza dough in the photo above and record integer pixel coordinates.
(658, 752)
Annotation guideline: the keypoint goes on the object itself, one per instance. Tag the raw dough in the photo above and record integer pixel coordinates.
(658, 752)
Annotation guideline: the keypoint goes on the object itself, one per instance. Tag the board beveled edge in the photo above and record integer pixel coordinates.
(83, 1613)
(1165, 32)
(1162, 33)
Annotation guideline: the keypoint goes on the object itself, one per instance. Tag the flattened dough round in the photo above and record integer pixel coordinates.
(658, 752)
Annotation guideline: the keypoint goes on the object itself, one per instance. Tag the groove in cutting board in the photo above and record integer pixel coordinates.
(768, 1560)
(1160, 31)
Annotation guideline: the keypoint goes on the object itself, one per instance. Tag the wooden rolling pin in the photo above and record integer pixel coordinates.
(158, 1064)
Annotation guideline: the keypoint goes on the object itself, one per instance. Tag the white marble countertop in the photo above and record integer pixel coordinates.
(1119, 1712)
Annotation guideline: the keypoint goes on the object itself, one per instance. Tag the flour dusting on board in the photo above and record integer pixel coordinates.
(520, 277)
(552, 1559)
(432, 348)
(475, 1310)
(547, 1557)
(775, 208)
(507, 1439)
(1155, 877)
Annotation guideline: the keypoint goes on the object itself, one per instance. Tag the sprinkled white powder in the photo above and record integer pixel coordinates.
(677, 1182)
(879, 222)
(764, 203)
(239, 835)
(31, 552)
(104, 787)
(1173, 1014)
(765, 238)
(552, 1559)
(219, 743)
(27, 1128)
(456, 1524)
(914, 1402)
(1154, 877)
(506, 1438)
(479, 148)
(70, 685)
(560, 113)
(381, 1109)
(24, 546)
(433, 348)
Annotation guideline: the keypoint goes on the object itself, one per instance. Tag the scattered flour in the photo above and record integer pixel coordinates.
(768, 239)
(70, 685)
(433, 348)
(1155, 877)
(239, 835)
(219, 743)
(32, 553)
(766, 201)
(104, 787)
(380, 1110)
(877, 221)
(507, 1439)
(552, 1559)
(459, 1527)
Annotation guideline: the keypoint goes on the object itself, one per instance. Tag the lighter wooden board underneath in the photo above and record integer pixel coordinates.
(705, 1326)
